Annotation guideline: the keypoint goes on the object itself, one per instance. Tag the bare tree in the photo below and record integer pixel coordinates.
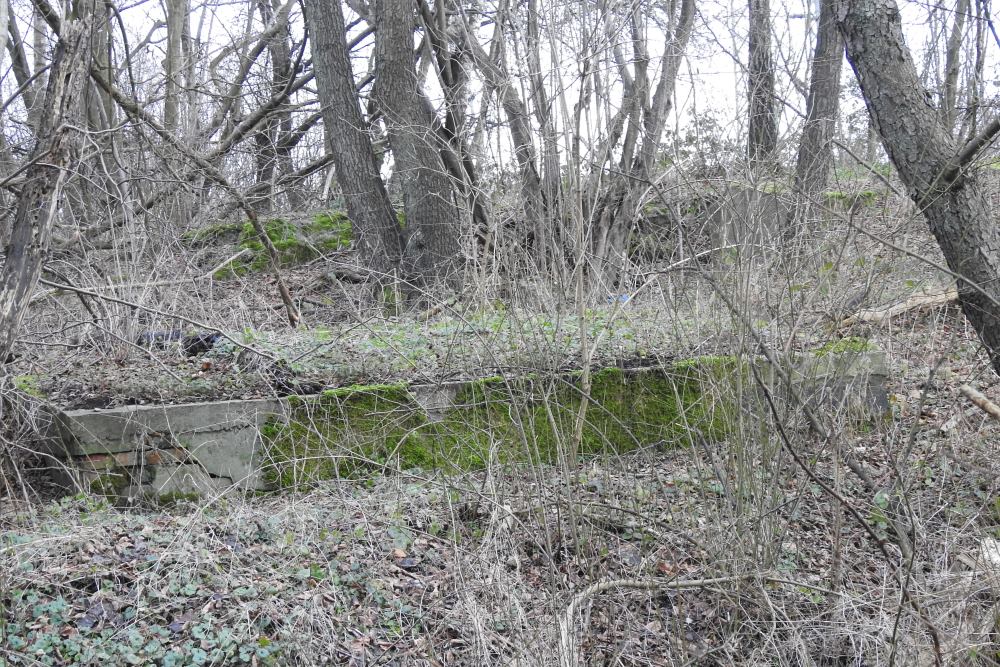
(815, 149)
(52, 158)
(365, 196)
(636, 129)
(428, 193)
(762, 140)
(953, 53)
(938, 173)
(177, 16)
(274, 149)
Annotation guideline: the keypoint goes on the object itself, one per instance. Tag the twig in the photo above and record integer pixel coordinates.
(159, 283)
(567, 632)
(983, 403)
(856, 515)
(131, 304)
(972, 148)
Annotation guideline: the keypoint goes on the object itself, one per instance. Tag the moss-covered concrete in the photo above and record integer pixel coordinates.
(357, 430)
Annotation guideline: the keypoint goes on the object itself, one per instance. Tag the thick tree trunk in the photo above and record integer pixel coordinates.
(762, 139)
(428, 195)
(374, 221)
(815, 157)
(53, 156)
(950, 196)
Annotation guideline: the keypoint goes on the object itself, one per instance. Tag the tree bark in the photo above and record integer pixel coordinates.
(949, 194)
(432, 247)
(53, 156)
(953, 51)
(374, 222)
(815, 156)
(762, 141)
(177, 15)
(274, 152)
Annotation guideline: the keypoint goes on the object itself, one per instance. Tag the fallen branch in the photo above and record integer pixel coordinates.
(983, 403)
(925, 299)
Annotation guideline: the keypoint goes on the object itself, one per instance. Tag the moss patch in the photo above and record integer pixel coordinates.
(849, 345)
(111, 483)
(224, 233)
(838, 199)
(325, 232)
(28, 384)
(356, 431)
(341, 433)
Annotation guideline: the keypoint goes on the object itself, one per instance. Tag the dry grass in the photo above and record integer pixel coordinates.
(762, 549)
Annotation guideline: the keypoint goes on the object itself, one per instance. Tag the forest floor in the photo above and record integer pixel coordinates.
(736, 552)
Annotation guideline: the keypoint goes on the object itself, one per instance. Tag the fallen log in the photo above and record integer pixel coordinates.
(926, 298)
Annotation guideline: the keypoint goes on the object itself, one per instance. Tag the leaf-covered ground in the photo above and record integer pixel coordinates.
(721, 554)
(414, 569)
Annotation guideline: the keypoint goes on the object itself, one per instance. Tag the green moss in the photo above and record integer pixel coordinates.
(356, 431)
(866, 197)
(344, 432)
(847, 345)
(111, 484)
(327, 232)
(28, 384)
(772, 187)
(835, 198)
(329, 222)
(330, 231)
(392, 301)
(848, 200)
(222, 233)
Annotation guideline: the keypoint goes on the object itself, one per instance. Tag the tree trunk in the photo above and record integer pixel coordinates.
(615, 210)
(763, 119)
(39, 62)
(497, 79)
(815, 157)
(374, 222)
(177, 15)
(51, 160)
(950, 195)
(428, 195)
(274, 157)
(953, 51)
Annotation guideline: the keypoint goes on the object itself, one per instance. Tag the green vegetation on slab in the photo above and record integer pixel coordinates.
(111, 483)
(851, 344)
(357, 431)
